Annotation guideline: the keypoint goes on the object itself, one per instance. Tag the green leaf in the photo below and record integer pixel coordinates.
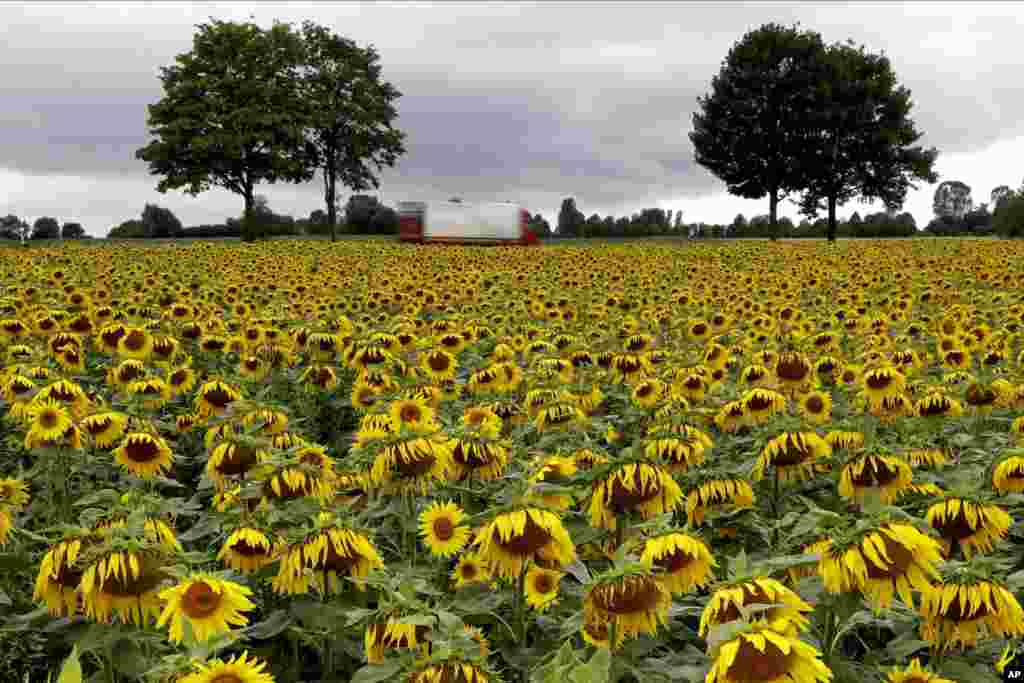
(71, 672)
(273, 625)
(374, 673)
(597, 670)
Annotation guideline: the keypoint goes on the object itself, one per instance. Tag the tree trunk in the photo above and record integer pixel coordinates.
(248, 234)
(832, 219)
(330, 190)
(773, 210)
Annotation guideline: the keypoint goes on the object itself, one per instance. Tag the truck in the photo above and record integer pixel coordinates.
(455, 222)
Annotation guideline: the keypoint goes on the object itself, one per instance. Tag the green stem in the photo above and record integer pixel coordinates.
(775, 506)
(827, 644)
(520, 611)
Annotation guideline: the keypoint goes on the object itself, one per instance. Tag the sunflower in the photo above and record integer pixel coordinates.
(144, 455)
(235, 670)
(927, 457)
(541, 587)
(215, 397)
(937, 404)
(413, 415)
(470, 569)
(553, 470)
(105, 428)
(734, 493)
(680, 448)
(634, 487)
(892, 559)
(762, 404)
(246, 550)
(48, 422)
(330, 553)
(793, 371)
(59, 576)
(13, 493)
(123, 582)
(441, 528)
(181, 380)
(962, 613)
(392, 634)
(455, 671)
(681, 562)
(792, 454)
(634, 603)
(647, 394)
(414, 463)
(513, 538)
(725, 603)
(850, 441)
(210, 607)
(439, 365)
(761, 654)
(876, 473)
(914, 673)
(816, 406)
(559, 416)
(135, 343)
(975, 527)
(1008, 476)
(732, 417)
(883, 382)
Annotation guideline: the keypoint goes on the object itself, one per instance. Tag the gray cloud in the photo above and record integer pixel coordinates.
(537, 101)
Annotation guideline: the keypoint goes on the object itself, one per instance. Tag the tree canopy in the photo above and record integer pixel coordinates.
(747, 130)
(229, 114)
(350, 129)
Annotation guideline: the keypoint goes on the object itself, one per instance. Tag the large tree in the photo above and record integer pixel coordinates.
(72, 231)
(857, 135)
(160, 223)
(745, 131)
(45, 228)
(351, 113)
(570, 219)
(229, 116)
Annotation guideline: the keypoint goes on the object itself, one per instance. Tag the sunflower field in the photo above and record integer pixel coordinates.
(368, 461)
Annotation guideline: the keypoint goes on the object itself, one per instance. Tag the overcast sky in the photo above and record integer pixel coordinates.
(529, 102)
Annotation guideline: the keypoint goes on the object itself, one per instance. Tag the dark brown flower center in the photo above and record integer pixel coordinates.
(444, 530)
(752, 664)
(200, 601)
(543, 583)
(628, 597)
(533, 538)
(142, 450)
(900, 557)
(135, 340)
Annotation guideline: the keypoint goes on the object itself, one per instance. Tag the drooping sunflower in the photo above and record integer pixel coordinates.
(890, 560)
(761, 654)
(680, 447)
(927, 457)
(412, 464)
(210, 606)
(392, 634)
(105, 428)
(762, 404)
(59, 576)
(214, 397)
(792, 455)
(1008, 475)
(793, 371)
(442, 529)
(246, 550)
(960, 612)
(974, 526)
(878, 474)
(634, 602)
(513, 538)
(732, 493)
(136, 343)
(541, 587)
(239, 669)
(732, 417)
(679, 561)
(331, 553)
(850, 441)
(641, 487)
(553, 470)
(883, 382)
(126, 583)
(725, 603)
(937, 404)
(454, 671)
(144, 455)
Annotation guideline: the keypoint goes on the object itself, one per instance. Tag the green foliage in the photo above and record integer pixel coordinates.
(72, 231)
(1008, 221)
(747, 132)
(45, 228)
(160, 223)
(228, 116)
